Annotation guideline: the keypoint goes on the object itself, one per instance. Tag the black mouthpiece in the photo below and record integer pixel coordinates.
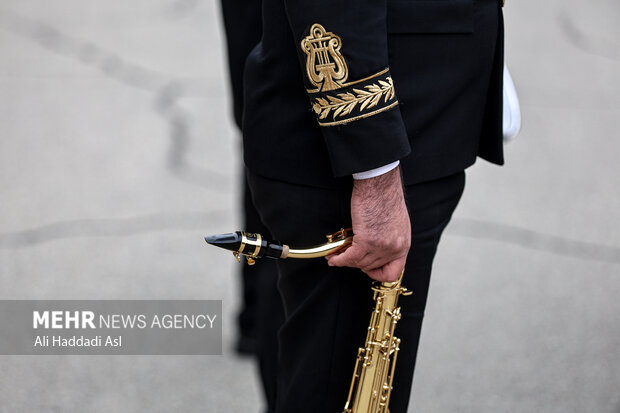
(230, 241)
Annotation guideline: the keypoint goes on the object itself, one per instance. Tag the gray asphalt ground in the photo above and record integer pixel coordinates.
(118, 153)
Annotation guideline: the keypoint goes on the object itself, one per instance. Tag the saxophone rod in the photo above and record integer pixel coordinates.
(254, 245)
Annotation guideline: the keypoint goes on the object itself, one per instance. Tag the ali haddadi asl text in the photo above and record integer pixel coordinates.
(78, 341)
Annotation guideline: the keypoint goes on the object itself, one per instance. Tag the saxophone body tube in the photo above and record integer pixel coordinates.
(373, 375)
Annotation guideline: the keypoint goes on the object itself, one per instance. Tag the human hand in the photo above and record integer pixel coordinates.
(381, 227)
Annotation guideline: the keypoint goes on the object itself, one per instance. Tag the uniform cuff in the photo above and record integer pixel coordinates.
(376, 171)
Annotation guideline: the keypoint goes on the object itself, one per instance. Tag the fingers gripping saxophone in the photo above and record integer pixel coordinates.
(373, 374)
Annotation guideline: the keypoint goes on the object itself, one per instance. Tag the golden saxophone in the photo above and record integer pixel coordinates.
(373, 376)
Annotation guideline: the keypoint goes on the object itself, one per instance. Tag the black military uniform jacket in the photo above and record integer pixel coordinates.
(342, 86)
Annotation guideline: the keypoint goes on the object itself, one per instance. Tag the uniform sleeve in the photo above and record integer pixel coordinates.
(343, 51)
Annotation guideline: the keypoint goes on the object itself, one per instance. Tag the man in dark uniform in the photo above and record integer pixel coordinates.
(364, 113)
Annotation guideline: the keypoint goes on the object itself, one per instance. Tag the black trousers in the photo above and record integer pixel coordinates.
(328, 309)
(261, 312)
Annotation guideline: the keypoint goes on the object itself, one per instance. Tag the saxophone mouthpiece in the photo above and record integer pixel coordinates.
(231, 241)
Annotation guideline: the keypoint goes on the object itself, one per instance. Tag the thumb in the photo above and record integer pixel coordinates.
(348, 258)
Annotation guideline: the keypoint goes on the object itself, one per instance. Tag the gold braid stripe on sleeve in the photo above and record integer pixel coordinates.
(355, 100)
(356, 103)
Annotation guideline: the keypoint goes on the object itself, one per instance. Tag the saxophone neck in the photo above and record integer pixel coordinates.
(337, 241)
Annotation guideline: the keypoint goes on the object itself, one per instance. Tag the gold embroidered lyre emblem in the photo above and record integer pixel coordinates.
(325, 66)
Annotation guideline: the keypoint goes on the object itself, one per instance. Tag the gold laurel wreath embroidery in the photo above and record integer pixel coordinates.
(344, 103)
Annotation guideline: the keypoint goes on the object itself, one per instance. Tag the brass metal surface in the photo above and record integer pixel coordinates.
(373, 375)
(335, 242)
(245, 241)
